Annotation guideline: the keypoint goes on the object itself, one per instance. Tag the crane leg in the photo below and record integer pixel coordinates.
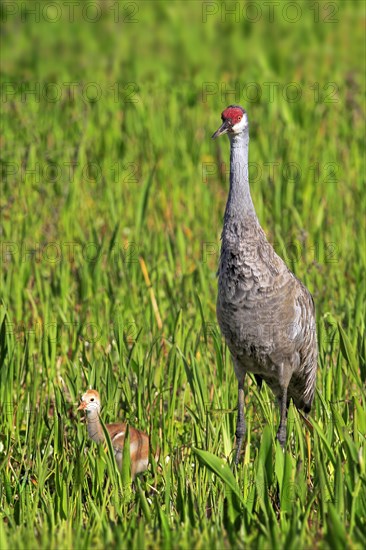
(281, 434)
(240, 423)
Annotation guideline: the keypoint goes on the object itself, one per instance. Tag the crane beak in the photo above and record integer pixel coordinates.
(82, 406)
(224, 128)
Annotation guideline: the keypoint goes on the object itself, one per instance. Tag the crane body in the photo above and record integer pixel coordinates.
(265, 313)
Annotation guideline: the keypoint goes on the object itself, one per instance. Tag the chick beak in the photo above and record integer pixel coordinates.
(82, 406)
(224, 128)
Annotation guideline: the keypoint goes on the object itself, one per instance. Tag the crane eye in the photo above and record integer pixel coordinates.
(239, 118)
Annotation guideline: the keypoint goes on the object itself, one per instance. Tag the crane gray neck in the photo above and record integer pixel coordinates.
(95, 431)
(239, 203)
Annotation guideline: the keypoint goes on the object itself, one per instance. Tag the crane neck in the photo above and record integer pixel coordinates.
(239, 203)
(95, 430)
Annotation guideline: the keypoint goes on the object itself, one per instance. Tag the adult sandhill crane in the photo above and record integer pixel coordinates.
(139, 441)
(265, 313)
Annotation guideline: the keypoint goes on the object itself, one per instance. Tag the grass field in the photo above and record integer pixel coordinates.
(111, 210)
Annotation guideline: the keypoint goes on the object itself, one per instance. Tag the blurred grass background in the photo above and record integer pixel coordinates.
(112, 202)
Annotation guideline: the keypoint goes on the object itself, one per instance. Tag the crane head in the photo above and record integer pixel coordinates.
(234, 120)
(90, 401)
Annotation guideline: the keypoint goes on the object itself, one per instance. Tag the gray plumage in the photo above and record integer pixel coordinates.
(265, 313)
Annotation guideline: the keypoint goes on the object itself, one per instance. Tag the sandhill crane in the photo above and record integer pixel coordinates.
(139, 441)
(265, 313)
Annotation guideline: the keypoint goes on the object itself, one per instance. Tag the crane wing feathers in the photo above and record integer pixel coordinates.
(267, 316)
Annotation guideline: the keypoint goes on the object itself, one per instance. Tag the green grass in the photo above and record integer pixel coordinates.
(111, 212)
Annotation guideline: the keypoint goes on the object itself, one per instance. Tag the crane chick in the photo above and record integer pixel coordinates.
(139, 441)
